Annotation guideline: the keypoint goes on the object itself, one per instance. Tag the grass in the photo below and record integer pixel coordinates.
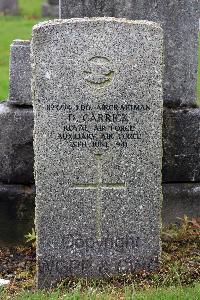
(20, 27)
(15, 28)
(12, 28)
(31, 8)
(127, 293)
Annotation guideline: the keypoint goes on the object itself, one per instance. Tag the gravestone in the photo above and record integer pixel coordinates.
(97, 88)
(180, 21)
(16, 144)
(9, 7)
(182, 127)
(20, 73)
(51, 8)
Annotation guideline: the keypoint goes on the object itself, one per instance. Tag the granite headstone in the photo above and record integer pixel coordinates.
(180, 21)
(20, 73)
(97, 88)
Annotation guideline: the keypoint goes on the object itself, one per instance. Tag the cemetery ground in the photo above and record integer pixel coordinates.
(177, 278)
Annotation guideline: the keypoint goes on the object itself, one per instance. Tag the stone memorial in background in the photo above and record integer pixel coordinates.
(16, 120)
(51, 8)
(17, 191)
(20, 73)
(180, 22)
(9, 7)
(16, 144)
(97, 97)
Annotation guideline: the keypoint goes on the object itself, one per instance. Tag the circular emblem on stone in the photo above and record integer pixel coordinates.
(99, 72)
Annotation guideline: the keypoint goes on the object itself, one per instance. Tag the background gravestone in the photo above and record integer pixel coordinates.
(16, 120)
(17, 191)
(180, 21)
(16, 177)
(51, 8)
(9, 7)
(20, 73)
(97, 86)
(16, 144)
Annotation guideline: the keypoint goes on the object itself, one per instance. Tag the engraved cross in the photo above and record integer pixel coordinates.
(99, 186)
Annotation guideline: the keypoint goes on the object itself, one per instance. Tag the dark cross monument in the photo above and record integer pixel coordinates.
(180, 21)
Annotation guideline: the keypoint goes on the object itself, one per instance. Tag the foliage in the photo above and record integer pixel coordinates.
(31, 237)
(189, 229)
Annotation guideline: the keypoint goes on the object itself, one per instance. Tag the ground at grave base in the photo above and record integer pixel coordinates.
(177, 278)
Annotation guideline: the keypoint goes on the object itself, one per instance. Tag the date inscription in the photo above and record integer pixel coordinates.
(100, 126)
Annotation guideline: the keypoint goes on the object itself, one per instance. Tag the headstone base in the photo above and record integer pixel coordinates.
(181, 145)
(16, 144)
(49, 10)
(180, 199)
(16, 213)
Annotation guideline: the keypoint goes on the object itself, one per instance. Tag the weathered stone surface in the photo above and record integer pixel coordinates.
(17, 204)
(20, 73)
(9, 7)
(181, 145)
(180, 199)
(16, 144)
(97, 87)
(180, 21)
(50, 9)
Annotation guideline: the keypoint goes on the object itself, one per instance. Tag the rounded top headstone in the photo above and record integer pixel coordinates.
(19, 42)
(61, 22)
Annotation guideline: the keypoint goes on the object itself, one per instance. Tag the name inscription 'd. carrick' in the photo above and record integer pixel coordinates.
(88, 127)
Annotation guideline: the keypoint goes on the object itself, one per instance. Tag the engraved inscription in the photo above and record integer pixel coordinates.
(100, 126)
(99, 72)
(99, 186)
(83, 265)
